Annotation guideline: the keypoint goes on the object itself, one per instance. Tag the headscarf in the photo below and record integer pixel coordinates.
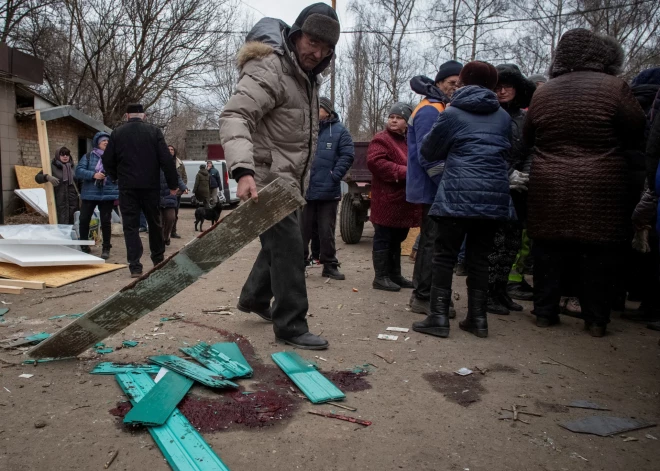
(67, 168)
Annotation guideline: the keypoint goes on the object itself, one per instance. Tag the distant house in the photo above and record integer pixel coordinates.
(203, 144)
(19, 145)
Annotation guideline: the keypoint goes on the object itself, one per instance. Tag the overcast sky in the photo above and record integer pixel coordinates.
(288, 10)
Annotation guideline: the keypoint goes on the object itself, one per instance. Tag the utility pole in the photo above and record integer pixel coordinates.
(332, 66)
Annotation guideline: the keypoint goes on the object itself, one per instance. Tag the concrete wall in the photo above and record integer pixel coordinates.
(197, 140)
(63, 132)
(8, 145)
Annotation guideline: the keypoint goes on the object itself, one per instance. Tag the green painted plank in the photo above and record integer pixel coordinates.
(191, 370)
(129, 343)
(233, 352)
(30, 339)
(4, 311)
(161, 400)
(217, 361)
(70, 316)
(313, 384)
(197, 258)
(183, 448)
(109, 368)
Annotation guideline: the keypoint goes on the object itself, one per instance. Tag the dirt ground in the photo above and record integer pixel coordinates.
(424, 416)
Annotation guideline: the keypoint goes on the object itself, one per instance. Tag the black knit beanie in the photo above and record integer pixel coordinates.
(448, 69)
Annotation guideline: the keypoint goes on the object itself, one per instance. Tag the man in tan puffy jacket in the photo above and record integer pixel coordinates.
(268, 129)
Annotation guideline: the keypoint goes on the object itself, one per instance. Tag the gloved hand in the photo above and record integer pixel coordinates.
(518, 181)
(53, 181)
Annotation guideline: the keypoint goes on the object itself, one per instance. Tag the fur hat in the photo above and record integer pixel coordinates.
(326, 104)
(479, 73)
(510, 74)
(448, 69)
(583, 50)
(401, 109)
(319, 21)
(134, 108)
(647, 77)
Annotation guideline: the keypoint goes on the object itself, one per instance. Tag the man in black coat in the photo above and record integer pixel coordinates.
(134, 158)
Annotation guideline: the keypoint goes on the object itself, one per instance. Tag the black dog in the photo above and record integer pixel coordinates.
(205, 214)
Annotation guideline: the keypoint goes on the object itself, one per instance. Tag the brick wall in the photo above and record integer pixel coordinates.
(63, 132)
(197, 141)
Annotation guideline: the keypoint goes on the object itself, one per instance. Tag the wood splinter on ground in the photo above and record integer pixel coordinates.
(352, 420)
(112, 458)
(515, 411)
(352, 409)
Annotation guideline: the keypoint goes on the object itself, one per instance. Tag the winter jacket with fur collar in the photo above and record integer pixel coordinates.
(269, 127)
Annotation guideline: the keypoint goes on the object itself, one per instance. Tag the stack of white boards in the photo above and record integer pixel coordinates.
(43, 245)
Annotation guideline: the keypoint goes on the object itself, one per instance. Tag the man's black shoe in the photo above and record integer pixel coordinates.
(330, 271)
(265, 314)
(306, 341)
(175, 235)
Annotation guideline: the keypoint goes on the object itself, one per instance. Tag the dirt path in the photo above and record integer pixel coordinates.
(424, 417)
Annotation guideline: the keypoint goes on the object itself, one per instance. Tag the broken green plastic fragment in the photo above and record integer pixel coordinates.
(103, 351)
(219, 362)
(192, 370)
(37, 337)
(99, 345)
(109, 368)
(130, 343)
(70, 316)
(45, 360)
(3, 311)
(313, 384)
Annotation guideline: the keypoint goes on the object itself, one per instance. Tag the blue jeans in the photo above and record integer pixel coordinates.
(461, 254)
(143, 221)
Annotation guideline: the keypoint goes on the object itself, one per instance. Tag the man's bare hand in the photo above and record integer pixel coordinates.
(247, 189)
(174, 192)
(99, 176)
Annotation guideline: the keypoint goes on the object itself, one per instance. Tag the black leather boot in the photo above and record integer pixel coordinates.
(505, 299)
(330, 271)
(437, 322)
(395, 269)
(382, 261)
(476, 322)
(494, 305)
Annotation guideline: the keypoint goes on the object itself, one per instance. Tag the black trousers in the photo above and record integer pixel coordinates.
(422, 275)
(279, 272)
(105, 210)
(596, 265)
(132, 202)
(389, 238)
(323, 215)
(176, 213)
(478, 235)
(504, 249)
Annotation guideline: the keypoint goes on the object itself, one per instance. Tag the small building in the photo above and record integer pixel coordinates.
(203, 144)
(19, 143)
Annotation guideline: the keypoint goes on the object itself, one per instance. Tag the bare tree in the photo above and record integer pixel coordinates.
(137, 50)
(14, 12)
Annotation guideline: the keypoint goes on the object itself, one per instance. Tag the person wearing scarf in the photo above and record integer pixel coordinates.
(97, 191)
(61, 177)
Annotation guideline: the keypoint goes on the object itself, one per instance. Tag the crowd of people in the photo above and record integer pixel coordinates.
(505, 175)
(134, 172)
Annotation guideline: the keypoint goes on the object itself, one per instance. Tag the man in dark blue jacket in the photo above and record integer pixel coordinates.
(423, 177)
(334, 156)
(214, 182)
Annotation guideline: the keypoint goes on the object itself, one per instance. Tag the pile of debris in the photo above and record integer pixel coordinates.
(38, 255)
(155, 400)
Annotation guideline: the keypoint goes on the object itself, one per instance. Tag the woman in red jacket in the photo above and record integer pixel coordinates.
(391, 215)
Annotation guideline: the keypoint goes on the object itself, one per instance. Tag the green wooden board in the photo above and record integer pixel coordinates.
(197, 258)
(183, 448)
(109, 368)
(217, 361)
(232, 351)
(313, 384)
(30, 339)
(191, 370)
(161, 400)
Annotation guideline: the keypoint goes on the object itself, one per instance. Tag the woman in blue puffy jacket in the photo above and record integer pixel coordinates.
(168, 205)
(472, 137)
(97, 190)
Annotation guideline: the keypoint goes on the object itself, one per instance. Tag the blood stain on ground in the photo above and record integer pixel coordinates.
(348, 381)
(501, 368)
(463, 390)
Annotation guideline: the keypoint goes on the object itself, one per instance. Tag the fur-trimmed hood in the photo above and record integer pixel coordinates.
(525, 88)
(583, 50)
(269, 36)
